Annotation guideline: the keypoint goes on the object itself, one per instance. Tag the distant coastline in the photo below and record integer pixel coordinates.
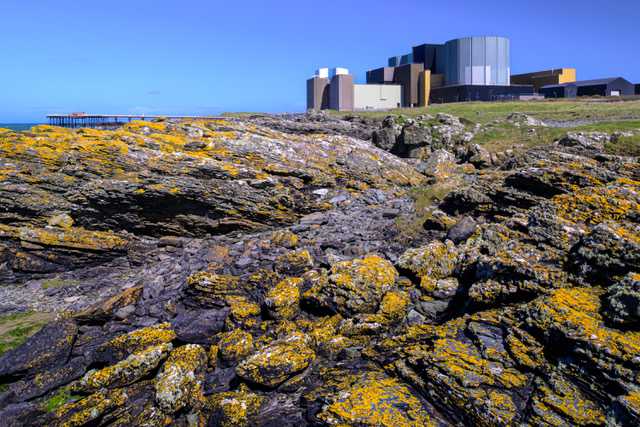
(18, 126)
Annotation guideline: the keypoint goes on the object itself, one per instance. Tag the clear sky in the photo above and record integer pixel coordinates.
(209, 56)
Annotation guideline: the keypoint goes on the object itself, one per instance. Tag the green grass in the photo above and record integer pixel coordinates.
(624, 146)
(62, 397)
(57, 282)
(610, 126)
(506, 136)
(16, 328)
(561, 110)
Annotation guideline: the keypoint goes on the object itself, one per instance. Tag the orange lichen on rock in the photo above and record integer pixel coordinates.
(374, 399)
(179, 383)
(575, 314)
(283, 300)
(235, 345)
(593, 205)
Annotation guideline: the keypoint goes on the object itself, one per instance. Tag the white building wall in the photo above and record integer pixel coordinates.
(376, 97)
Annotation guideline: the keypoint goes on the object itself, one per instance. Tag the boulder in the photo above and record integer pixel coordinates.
(387, 136)
(277, 362)
(125, 372)
(463, 229)
(622, 301)
(372, 399)
(283, 301)
(199, 327)
(179, 383)
(48, 348)
(355, 286)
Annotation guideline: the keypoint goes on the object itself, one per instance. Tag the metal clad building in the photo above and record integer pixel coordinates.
(433, 56)
(380, 75)
(478, 61)
(376, 96)
(545, 78)
(470, 93)
(615, 86)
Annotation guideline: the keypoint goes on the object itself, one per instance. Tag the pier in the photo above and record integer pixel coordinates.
(82, 120)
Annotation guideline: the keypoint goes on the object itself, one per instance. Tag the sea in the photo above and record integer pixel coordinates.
(18, 126)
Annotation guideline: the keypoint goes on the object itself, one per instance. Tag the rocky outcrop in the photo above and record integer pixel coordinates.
(97, 193)
(263, 272)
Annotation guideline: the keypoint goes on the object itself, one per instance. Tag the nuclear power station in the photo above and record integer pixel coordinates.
(465, 69)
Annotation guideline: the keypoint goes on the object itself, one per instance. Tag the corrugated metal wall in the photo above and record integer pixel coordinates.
(478, 61)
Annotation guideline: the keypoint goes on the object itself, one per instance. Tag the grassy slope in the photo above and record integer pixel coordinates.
(563, 110)
(16, 328)
(584, 115)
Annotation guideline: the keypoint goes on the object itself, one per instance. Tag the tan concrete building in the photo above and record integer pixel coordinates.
(317, 93)
(377, 97)
(341, 92)
(545, 78)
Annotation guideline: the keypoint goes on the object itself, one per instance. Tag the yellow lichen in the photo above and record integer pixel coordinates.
(593, 205)
(394, 305)
(236, 408)
(566, 403)
(235, 345)
(283, 300)
(142, 338)
(435, 261)
(90, 408)
(126, 371)
(284, 238)
(575, 312)
(275, 363)
(373, 399)
(371, 269)
(179, 383)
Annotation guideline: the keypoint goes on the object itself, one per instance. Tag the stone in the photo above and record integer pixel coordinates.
(294, 263)
(440, 165)
(48, 348)
(235, 345)
(589, 140)
(124, 345)
(283, 301)
(179, 383)
(277, 362)
(236, 408)
(434, 261)
(622, 301)
(463, 229)
(199, 327)
(374, 399)
(355, 286)
(125, 372)
(386, 137)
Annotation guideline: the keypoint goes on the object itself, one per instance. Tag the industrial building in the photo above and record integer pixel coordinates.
(464, 69)
(614, 86)
(341, 94)
(545, 78)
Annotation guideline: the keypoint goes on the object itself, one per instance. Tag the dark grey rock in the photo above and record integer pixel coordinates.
(199, 327)
(462, 230)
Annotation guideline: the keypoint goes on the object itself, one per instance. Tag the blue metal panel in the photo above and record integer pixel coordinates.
(477, 61)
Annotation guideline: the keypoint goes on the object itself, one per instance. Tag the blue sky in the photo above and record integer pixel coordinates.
(209, 56)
